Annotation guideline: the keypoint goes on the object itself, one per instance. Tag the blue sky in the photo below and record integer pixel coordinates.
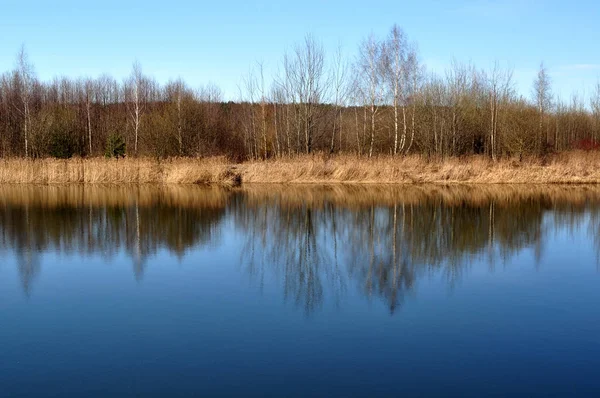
(218, 41)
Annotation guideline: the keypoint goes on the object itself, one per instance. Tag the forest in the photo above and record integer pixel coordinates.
(381, 101)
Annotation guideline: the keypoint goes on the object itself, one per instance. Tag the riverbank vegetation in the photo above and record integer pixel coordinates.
(380, 103)
(564, 168)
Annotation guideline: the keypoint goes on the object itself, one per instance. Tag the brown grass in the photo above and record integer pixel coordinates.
(566, 168)
(111, 171)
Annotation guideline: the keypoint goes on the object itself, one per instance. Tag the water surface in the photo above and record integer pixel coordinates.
(296, 291)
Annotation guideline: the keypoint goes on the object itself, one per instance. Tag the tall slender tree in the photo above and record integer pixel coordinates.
(26, 79)
(136, 101)
(543, 101)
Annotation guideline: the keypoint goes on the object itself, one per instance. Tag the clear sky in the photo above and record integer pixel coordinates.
(218, 41)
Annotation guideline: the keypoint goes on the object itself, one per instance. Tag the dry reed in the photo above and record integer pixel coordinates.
(566, 168)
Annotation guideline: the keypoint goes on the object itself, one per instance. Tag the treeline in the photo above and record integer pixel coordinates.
(380, 101)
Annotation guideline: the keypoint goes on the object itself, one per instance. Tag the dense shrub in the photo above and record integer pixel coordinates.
(62, 145)
(115, 146)
(586, 145)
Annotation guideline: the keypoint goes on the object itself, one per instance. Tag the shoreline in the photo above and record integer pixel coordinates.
(570, 168)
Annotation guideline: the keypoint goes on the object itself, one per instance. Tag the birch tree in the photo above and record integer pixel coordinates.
(543, 99)
(135, 97)
(370, 67)
(308, 85)
(340, 93)
(413, 77)
(26, 77)
(595, 105)
(500, 84)
(263, 108)
(395, 52)
(89, 92)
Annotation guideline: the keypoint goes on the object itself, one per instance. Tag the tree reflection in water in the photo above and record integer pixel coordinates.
(319, 245)
(317, 242)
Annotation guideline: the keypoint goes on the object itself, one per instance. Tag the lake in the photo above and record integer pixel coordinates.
(299, 291)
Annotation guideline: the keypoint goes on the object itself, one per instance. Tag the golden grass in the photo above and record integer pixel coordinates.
(566, 168)
(111, 171)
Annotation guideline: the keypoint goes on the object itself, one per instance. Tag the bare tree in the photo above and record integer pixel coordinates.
(283, 95)
(595, 104)
(356, 125)
(340, 92)
(278, 97)
(210, 97)
(395, 52)
(308, 85)
(263, 108)
(179, 94)
(413, 76)
(175, 92)
(370, 67)
(543, 99)
(457, 81)
(249, 88)
(434, 93)
(500, 85)
(135, 93)
(26, 77)
(89, 92)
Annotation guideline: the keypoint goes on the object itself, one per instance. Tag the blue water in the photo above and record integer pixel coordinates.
(298, 296)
